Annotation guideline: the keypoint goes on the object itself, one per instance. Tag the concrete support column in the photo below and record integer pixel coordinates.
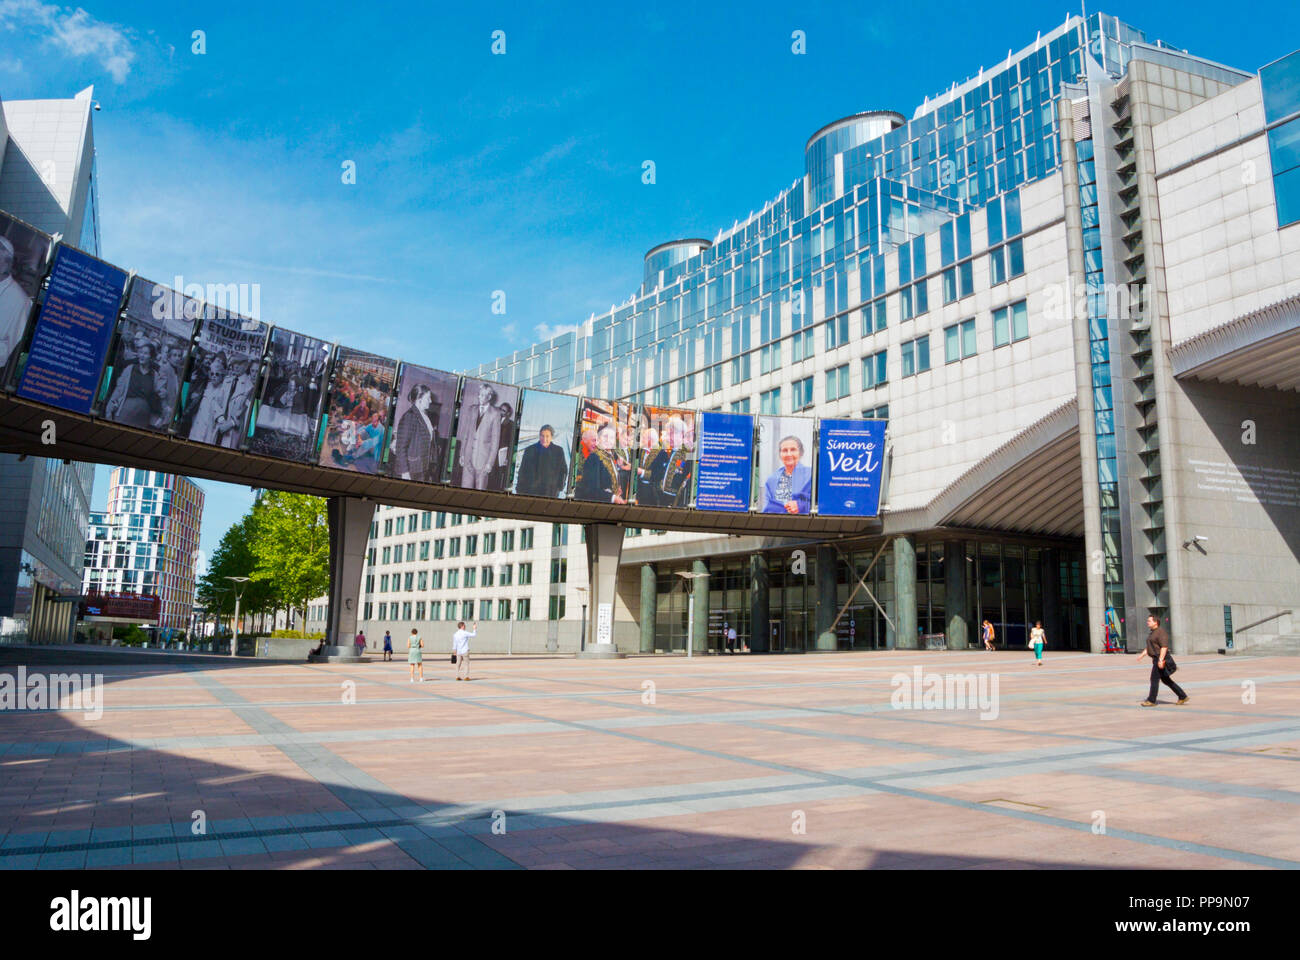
(826, 607)
(604, 547)
(954, 592)
(905, 591)
(759, 610)
(349, 522)
(649, 606)
(700, 584)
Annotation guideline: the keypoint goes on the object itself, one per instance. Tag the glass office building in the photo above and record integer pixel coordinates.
(147, 542)
(47, 178)
(992, 275)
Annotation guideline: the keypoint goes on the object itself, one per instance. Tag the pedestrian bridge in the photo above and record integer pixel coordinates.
(101, 366)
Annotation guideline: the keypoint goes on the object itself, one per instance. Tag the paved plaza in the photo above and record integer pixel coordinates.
(656, 762)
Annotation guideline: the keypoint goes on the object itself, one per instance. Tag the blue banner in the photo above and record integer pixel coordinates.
(726, 462)
(851, 454)
(73, 331)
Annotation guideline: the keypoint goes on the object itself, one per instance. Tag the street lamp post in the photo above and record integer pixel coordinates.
(239, 592)
(582, 639)
(688, 576)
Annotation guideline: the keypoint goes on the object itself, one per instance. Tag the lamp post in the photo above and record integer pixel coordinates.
(582, 639)
(688, 576)
(239, 592)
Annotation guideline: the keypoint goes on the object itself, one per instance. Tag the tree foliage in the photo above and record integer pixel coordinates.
(281, 545)
(289, 543)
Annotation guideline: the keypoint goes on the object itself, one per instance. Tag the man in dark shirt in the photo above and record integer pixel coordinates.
(1158, 650)
(544, 471)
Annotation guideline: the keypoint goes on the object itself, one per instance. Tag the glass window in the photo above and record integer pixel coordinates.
(959, 341)
(1012, 212)
(1280, 82)
(1001, 327)
(997, 266)
(837, 382)
(1286, 189)
(994, 214)
(966, 278)
(1016, 258)
(908, 353)
(802, 393)
(950, 285)
(1019, 320)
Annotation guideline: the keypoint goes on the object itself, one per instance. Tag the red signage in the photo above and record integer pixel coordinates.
(128, 606)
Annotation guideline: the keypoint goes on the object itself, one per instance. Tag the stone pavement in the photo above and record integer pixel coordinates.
(734, 762)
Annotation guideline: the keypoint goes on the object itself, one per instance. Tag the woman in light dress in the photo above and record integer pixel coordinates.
(415, 654)
(1038, 640)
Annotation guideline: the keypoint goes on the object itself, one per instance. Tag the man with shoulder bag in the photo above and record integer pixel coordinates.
(1162, 663)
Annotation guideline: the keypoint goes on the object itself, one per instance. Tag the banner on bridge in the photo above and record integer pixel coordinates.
(71, 338)
(726, 462)
(851, 454)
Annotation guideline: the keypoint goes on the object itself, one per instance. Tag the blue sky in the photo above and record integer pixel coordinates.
(475, 172)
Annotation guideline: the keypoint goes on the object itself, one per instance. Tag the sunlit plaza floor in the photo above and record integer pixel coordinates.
(719, 762)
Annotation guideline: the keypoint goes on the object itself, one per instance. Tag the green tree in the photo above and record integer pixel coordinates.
(234, 558)
(290, 545)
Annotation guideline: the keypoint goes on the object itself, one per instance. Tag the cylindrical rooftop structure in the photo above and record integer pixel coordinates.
(836, 137)
(668, 255)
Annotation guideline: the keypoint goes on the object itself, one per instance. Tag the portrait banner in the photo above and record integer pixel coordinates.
(604, 453)
(293, 391)
(850, 454)
(783, 459)
(726, 462)
(421, 437)
(142, 384)
(666, 454)
(541, 457)
(225, 366)
(485, 435)
(70, 340)
(24, 252)
(357, 421)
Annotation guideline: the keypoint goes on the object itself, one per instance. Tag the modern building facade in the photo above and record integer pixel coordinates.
(47, 177)
(147, 542)
(1071, 284)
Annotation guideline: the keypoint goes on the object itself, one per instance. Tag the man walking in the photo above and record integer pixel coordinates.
(1158, 650)
(460, 646)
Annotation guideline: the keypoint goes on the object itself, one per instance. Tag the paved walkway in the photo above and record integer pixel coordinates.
(658, 763)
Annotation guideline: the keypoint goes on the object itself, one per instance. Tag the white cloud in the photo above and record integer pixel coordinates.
(546, 331)
(75, 32)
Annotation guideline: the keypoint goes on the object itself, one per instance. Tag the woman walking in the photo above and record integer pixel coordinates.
(415, 654)
(987, 632)
(1038, 640)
